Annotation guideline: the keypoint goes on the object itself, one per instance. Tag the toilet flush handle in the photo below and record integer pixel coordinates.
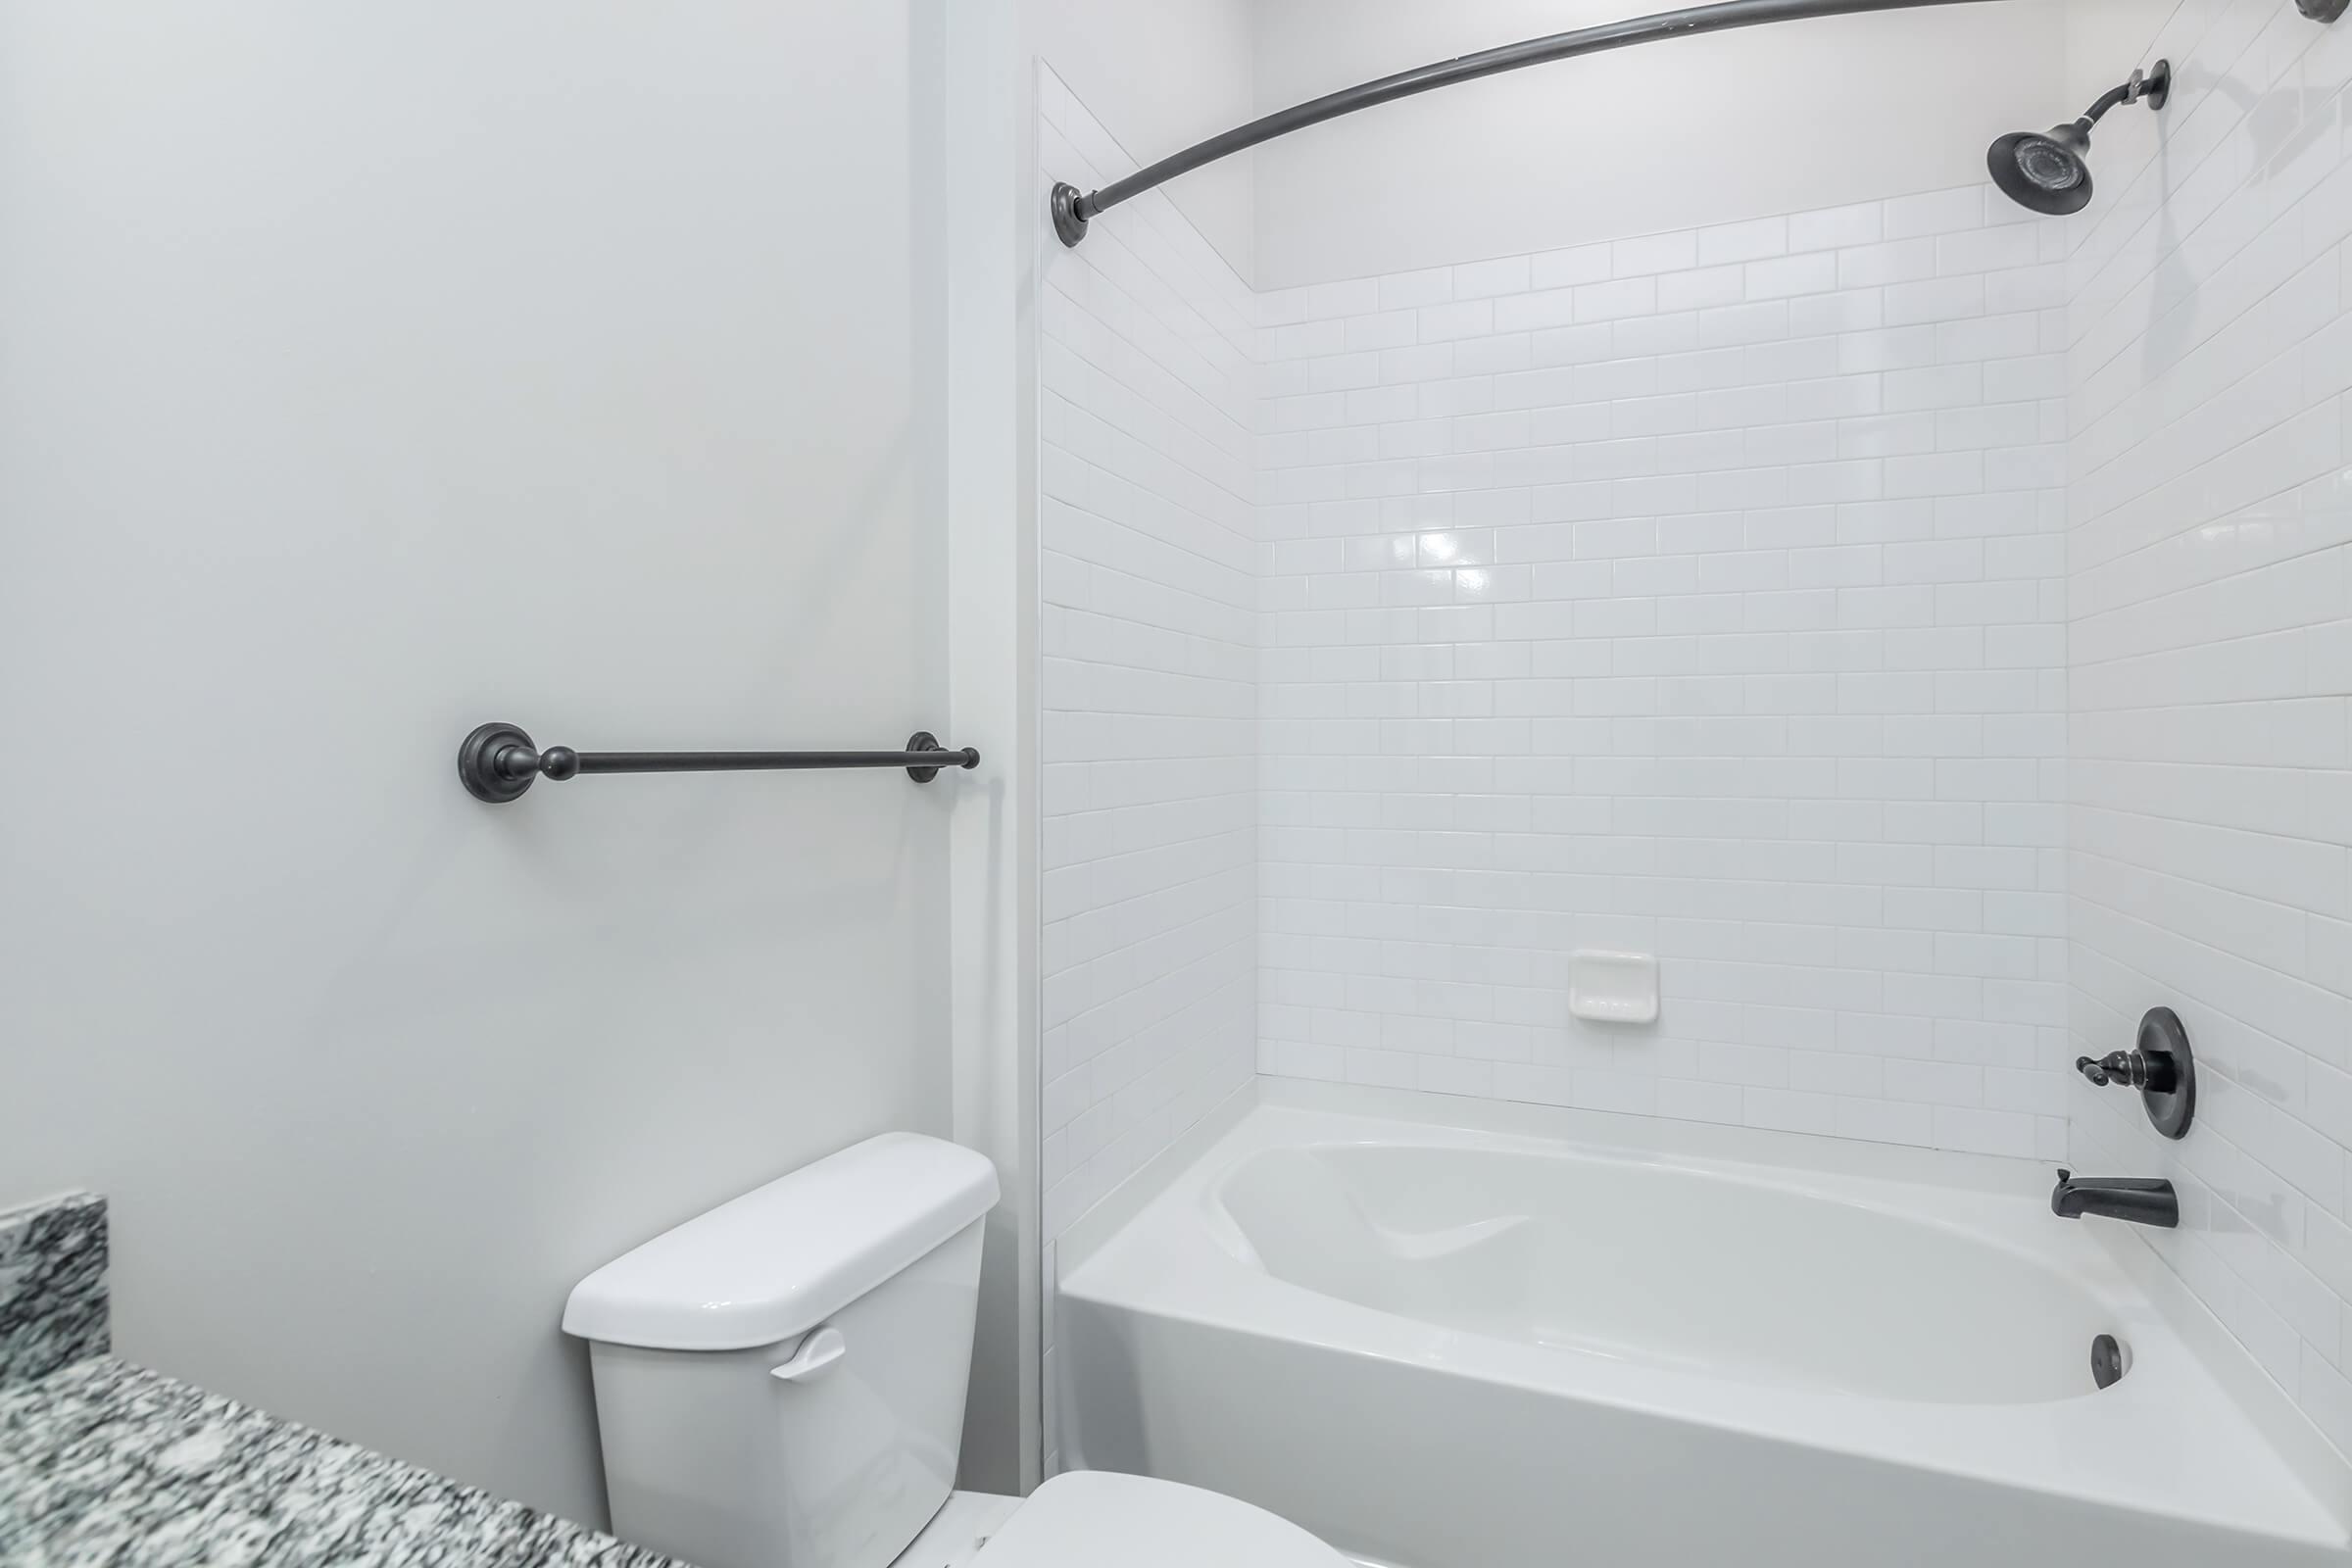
(814, 1359)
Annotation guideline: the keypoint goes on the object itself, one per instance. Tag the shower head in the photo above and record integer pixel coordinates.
(2044, 172)
(2050, 172)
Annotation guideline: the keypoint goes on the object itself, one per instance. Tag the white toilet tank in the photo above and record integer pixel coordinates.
(780, 1383)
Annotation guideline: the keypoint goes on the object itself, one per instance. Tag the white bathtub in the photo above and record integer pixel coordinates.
(1453, 1346)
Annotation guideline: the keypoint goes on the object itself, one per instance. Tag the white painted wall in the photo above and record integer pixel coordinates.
(1667, 135)
(979, 248)
(370, 373)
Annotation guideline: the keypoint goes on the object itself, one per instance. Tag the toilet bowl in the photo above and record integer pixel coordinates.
(781, 1384)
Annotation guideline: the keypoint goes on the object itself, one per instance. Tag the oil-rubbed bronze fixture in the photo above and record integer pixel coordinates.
(2049, 170)
(2141, 1200)
(498, 763)
(2160, 1068)
(1074, 209)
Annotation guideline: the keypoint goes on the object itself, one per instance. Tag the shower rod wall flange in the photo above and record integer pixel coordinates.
(1073, 210)
(1068, 222)
(500, 762)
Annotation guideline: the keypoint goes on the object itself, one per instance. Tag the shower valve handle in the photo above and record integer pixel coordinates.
(2129, 1067)
(2160, 1066)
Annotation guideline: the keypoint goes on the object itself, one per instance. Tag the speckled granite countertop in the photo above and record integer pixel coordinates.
(109, 1463)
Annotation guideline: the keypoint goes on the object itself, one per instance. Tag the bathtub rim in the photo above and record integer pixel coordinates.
(1972, 1225)
(1607, 1131)
(2299, 1443)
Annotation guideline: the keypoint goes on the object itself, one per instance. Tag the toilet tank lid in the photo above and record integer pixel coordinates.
(777, 1261)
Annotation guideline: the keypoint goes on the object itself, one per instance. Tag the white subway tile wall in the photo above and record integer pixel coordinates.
(2210, 583)
(1701, 595)
(1149, 634)
(1927, 627)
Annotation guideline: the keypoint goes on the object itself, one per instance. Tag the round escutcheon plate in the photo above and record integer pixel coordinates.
(2165, 1046)
(477, 763)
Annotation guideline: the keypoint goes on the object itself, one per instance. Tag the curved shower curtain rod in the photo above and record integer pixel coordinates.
(1073, 209)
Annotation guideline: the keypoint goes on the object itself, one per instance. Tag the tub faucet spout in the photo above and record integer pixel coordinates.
(2141, 1199)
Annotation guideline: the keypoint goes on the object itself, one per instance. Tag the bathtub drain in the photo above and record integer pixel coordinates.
(2106, 1361)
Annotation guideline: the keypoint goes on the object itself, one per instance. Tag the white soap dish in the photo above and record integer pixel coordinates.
(1613, 987)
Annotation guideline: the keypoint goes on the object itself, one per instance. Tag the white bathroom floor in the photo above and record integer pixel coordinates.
(956, 1535)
